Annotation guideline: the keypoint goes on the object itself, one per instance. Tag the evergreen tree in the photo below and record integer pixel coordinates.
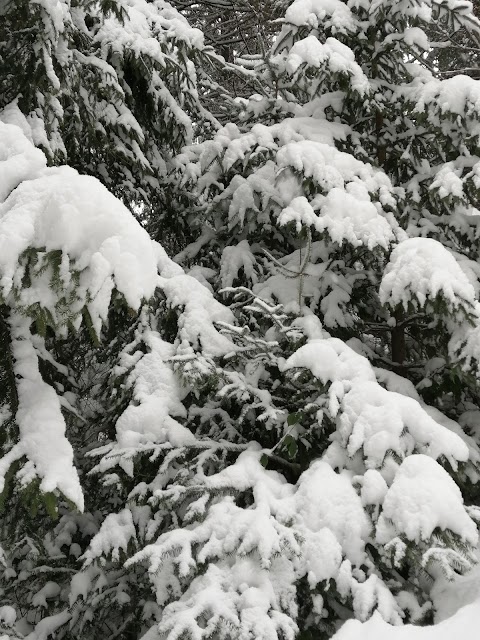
(112, 88)
(339, 223)
(279, 434)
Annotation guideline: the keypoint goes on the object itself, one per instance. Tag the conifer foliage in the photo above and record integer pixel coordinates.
(108, 87)
(275, 430)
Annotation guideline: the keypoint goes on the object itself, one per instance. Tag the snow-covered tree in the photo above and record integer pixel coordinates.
(113, 88)
(320, 444)
(278, 431)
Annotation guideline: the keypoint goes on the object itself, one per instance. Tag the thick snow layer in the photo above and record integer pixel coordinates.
(156, 395)
(200, 311)
(365, 227)
(327, 499)
(450, 595)
(242, 600)
(56, 209)
(463, 625)
(233, 259)
(47, 627)
(332, 14)
(423, 497)
(331, 168)
(457, 95)
(330, 360)
(379, 420)
(371, 417)
(116, 532)
(422, 268)
(19, 159)
(40, 422)
(416, 37)
(337, 57)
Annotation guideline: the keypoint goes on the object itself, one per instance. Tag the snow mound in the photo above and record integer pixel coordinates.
(464, 625)
(200, 311)
(422, 268)
(457, 95)
(41, 424)
(422, 498)
(332, 14)
(325, 499)
(370, 417)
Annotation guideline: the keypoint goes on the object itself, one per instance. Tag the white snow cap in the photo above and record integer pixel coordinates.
(336, 56)
(99, 247)
(422, 268)
(326, 499)
(19, 160)
(332, 13)
(370, 417)
(423, 497)
(56, 209)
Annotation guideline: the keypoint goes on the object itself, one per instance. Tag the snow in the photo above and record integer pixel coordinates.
(233, 259)
(48, 591)
(331, 168)
(8, 615)
(379, 420)
(448, 181)
(371, 417)
(464, 625)
(12, 115)
(414, 36)
(458, 95)
(156, 393)
(373, 487)
(40, 421)
(56, 209)
(239, 539)
(241, 600)
(451, 595)
(115, 534)
(366, 227)
(152, 31)
(325, 499)
(464, 345)
(422, 498)
(330, 360)
(322, 556)
(199, 312)
(46, 627)
(421, 269)
(333, 14)
(19, 159)
(333, 54)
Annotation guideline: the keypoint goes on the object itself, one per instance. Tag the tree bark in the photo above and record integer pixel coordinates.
(398, 345)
